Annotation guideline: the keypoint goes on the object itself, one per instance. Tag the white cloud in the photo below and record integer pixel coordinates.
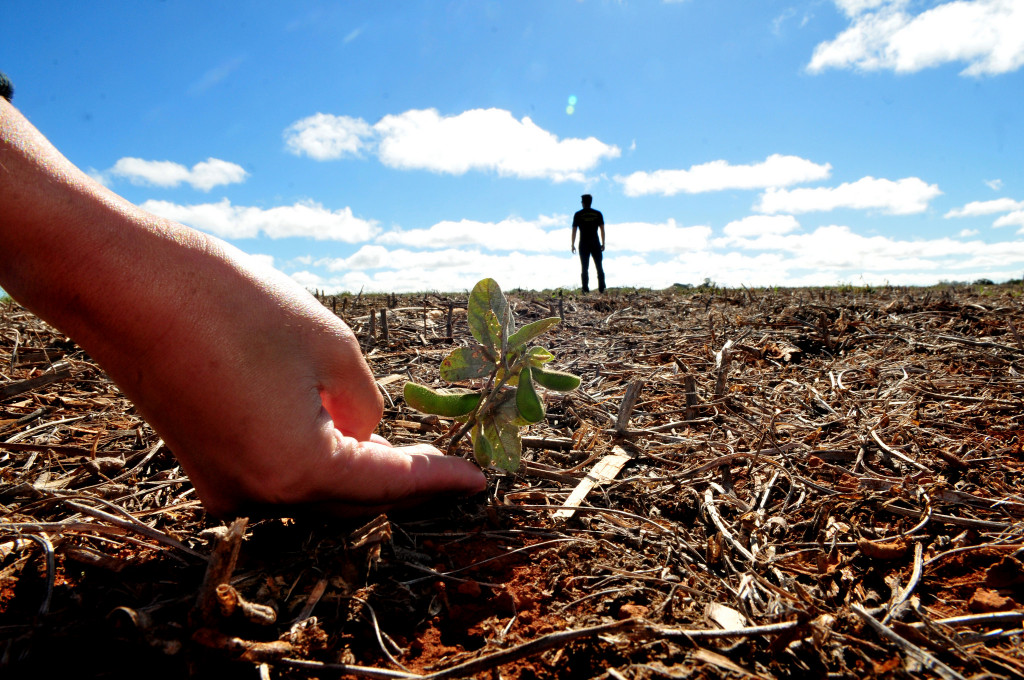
(1014, 219)
(994, 184)
(652, 238)
(852, 8)
(306, 219)
(758, 250)
(203, 176)
(375, 268)
(901, 197)
(324, 137)
(548, 234)
(966, 233)
(976, 208)
(512, 233)
(480, 139)
(261, 260)
(775, 171)
(485, 139)
(987, 35)
(760, 225)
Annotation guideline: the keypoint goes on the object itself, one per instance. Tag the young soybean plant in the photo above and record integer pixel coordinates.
(512, 368)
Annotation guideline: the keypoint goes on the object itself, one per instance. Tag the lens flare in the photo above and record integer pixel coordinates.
(570, 109)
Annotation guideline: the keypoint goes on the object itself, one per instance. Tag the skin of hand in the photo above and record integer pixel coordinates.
(261, 393)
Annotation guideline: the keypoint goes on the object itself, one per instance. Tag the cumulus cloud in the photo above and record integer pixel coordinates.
(987, 35)
(760, 250)
(489, 140)
(204, 176)
(513, 233)
(548, 234)
(901, 197)
(324, 137)
(1014, 219)
(775, 171)
(262, 260)
(663, 237)
(760, 225)
(376, 268)
(976, 208)
(305, 219)
(777, 255)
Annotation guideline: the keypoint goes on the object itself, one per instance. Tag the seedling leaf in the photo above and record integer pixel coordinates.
(560, 381)
(482, 449)
(465, 363)
(538, 356)
(530, 331)
(450, 404)
(528, 402)
(487, 297)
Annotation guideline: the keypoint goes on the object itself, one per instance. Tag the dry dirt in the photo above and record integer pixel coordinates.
(817, 483)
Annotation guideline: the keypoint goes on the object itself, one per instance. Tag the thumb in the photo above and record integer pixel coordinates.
(369, 473)
(348, 391)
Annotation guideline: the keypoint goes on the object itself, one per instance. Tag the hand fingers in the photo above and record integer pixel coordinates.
(369, 473)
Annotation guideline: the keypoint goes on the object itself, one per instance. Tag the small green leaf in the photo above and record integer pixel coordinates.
(528, 402)
(530, 331)
(487, 297)
(560, 381)
(494, 334)
(511, 448)
(482, 449)
(465, 363)
(506, 446)
(449, 404)
(538, 356)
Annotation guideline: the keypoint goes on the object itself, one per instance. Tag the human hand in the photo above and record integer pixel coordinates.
(602, 247)
(574, 249)
(264, 397)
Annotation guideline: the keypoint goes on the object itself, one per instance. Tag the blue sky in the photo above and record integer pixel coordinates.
(423, 145)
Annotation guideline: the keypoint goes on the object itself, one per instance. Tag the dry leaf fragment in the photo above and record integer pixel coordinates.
(891, 550)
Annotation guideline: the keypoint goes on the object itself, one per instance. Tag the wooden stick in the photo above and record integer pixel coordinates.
(629, 400)
(909, 648)
(604, 471)
(59, 371)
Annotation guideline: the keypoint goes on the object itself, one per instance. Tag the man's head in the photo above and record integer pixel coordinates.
(587, 200)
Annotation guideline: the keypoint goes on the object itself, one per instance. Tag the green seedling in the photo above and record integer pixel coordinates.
(511, 370)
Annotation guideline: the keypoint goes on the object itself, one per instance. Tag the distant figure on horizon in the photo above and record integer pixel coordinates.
(588, 221)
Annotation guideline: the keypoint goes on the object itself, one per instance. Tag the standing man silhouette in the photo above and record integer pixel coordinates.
(588, 221)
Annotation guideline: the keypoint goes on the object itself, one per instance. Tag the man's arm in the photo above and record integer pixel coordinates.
(602, 237)
(574, 237)
(262, 395)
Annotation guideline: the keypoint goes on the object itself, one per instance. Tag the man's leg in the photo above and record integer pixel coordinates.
(584, 266)
(598, 256)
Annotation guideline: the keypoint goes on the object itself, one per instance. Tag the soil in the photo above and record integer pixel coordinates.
(817, 483)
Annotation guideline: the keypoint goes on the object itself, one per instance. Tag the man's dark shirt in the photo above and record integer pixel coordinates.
(588, 220)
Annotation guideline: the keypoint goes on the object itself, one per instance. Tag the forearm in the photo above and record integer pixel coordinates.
(573, 244)
(72, 249)
(132, 288)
